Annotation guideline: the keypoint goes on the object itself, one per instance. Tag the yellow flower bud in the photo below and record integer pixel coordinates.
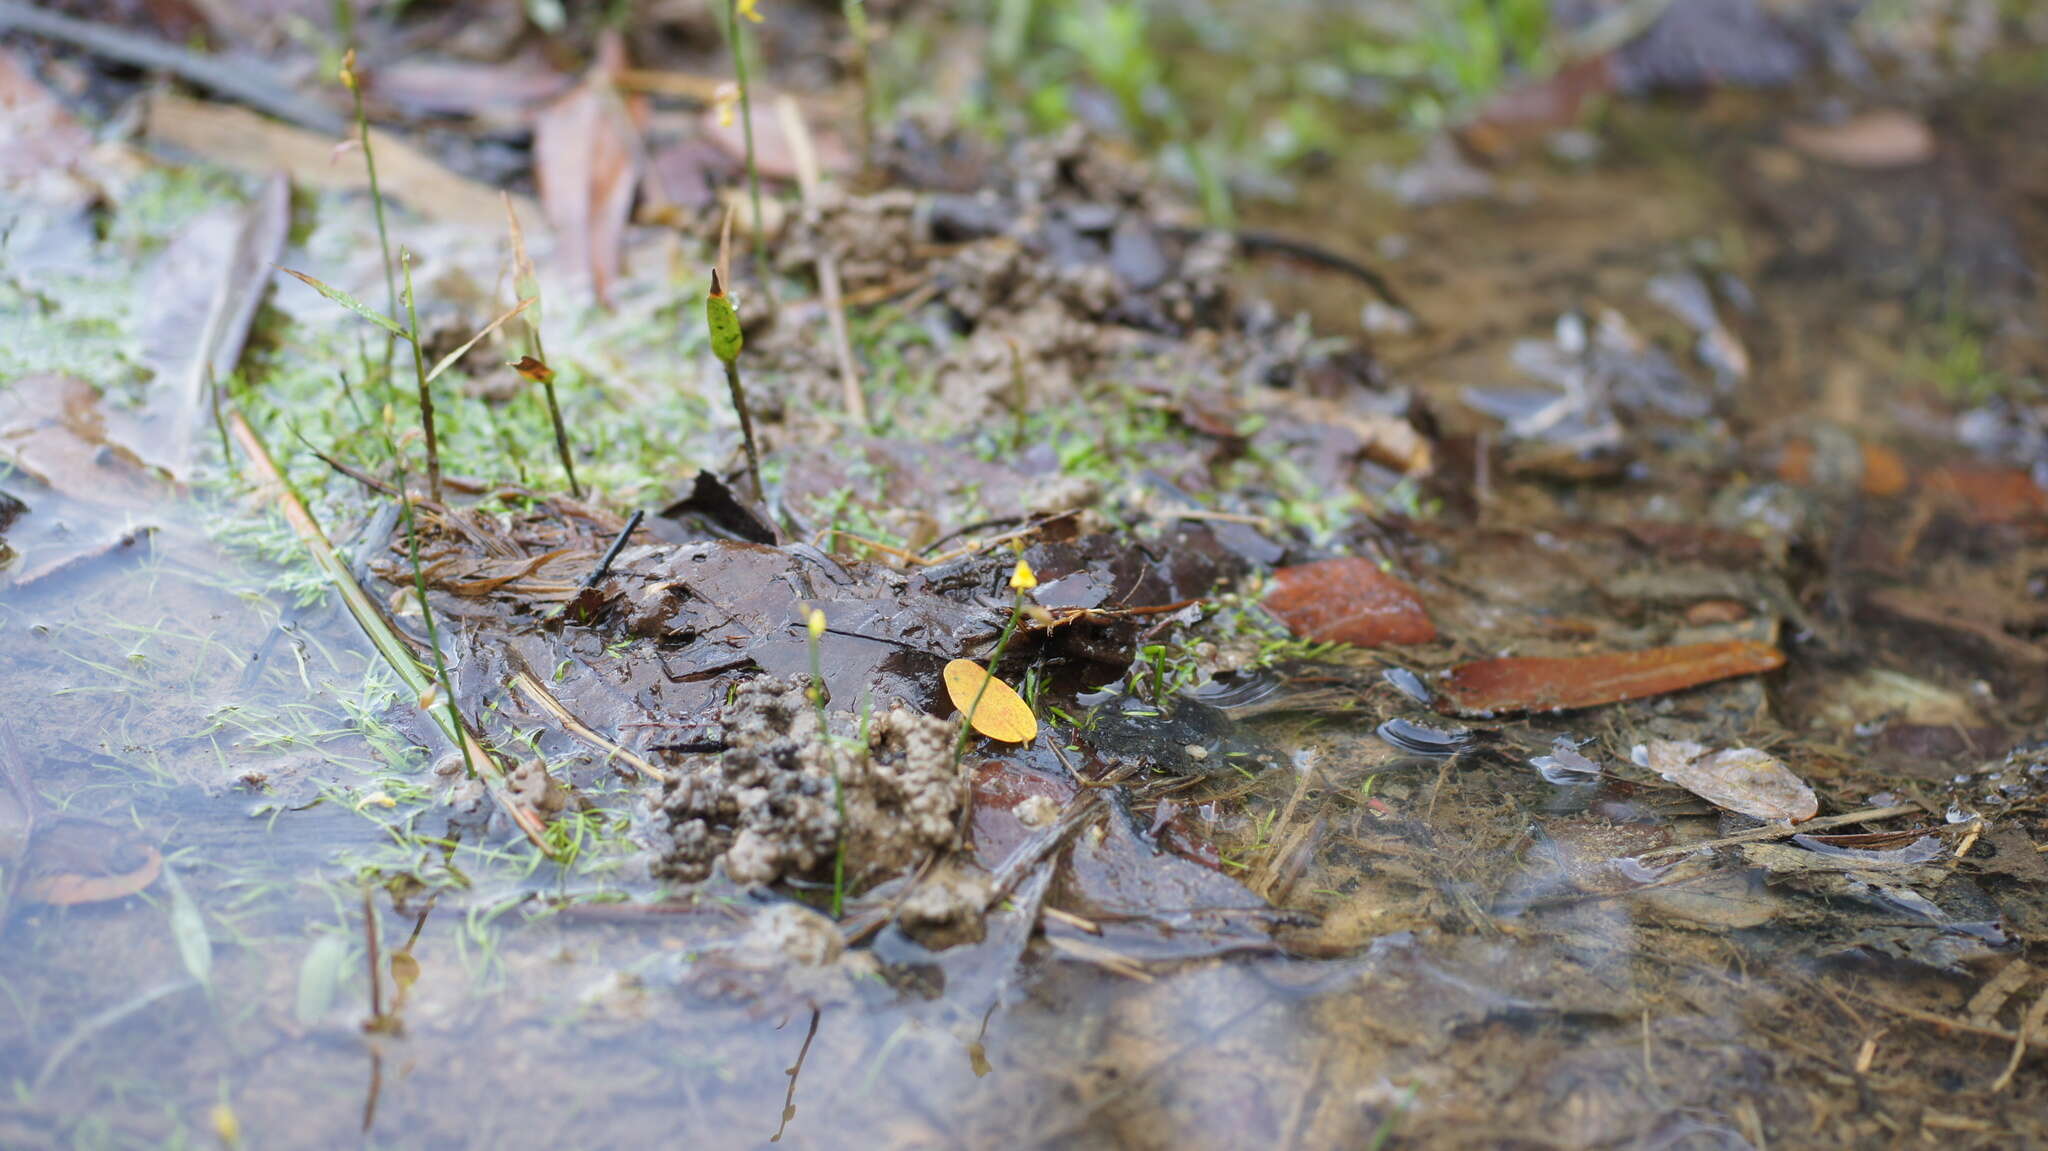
(816, 622)
(1023, 578)
(724, 99)
(348, 70)
(747, 10)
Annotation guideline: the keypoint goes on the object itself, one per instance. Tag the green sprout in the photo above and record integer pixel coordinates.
(726, 341)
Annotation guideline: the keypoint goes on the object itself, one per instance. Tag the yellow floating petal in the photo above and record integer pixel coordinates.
(1003, 714)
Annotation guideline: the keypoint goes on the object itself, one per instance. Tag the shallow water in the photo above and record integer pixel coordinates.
(1464, 962)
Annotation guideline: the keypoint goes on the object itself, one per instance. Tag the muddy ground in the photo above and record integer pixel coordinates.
(1537, 636)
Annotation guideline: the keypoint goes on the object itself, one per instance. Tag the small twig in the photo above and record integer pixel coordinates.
(370, 961)
(2036, 1015)
(1782, 831)
(604, 563)
(1255, 241)
(807, 181)
(534, 690)
(789, 1098)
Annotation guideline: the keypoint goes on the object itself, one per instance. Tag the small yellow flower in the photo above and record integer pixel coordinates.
(724, 99)
(348, 70)
(816, 622)
(747, 10)
(226, 1126)
(1023, 579)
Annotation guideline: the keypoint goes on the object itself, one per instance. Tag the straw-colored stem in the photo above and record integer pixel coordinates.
(388, 642)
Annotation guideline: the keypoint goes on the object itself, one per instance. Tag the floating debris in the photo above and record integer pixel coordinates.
(1425, 740)
(1741, 779)
(1565, 763)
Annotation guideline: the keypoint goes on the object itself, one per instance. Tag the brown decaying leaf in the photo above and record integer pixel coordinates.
(1348, 600)
(73, 861)
(40, 142)
(1741, 779)
(1002, 715)
(203, 294)
(587, 158)
(1881, 138)
(1535, 683)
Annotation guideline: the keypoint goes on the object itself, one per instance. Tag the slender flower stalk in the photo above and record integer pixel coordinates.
(355, 91)
(419, 366)
(734, 9)
(1022, 580)
(726, 341)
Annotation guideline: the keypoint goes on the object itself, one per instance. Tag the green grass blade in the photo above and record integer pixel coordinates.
(352, 304)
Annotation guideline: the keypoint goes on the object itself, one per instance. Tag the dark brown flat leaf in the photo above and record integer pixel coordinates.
(1348, 600)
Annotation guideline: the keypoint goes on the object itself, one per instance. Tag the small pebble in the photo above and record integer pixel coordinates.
(1196, 751)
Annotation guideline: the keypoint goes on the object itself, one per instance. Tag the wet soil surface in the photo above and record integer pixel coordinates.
(1668, 521)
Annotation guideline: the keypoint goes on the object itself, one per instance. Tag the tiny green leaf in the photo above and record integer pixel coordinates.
(352, 304)
(188, 929)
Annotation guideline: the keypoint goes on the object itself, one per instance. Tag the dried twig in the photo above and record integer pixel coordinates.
(247, 81)
(531, 686)
(1783, 831)
(2036, 1015)
(806, 156)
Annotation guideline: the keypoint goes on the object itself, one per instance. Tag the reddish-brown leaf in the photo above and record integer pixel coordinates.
(1990, 493)
(1532, 683)
(1348, 600)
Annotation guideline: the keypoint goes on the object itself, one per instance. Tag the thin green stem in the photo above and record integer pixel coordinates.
(547, 383)
(383, 233)
(739, 403)
(739, 72)
(419, 367)
(994, 657)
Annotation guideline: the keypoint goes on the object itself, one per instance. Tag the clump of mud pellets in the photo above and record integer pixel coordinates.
(765, 808)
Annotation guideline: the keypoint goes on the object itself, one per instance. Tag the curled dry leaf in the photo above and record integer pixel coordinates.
(1883, 138)
(1002, 715)
(1534, 683)
(1741, 779)
(1348, 600)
